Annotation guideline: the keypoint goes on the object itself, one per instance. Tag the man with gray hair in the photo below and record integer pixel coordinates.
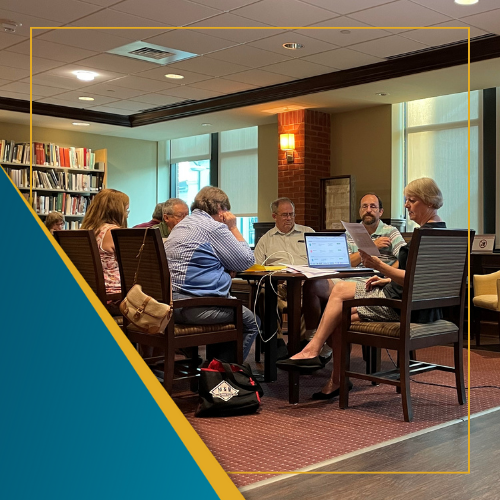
(173, 211)
(283, 243)
(156, 218)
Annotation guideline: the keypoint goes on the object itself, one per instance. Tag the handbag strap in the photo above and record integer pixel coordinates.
(140, 255)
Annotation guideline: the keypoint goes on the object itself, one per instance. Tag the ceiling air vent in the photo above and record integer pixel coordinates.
(443, 46)
(151, 53)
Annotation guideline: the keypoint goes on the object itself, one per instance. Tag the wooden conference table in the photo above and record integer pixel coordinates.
(294, 311)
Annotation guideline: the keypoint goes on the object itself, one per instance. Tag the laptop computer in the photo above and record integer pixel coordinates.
(329, 251)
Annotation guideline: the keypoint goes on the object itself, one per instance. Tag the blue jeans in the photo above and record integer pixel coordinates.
(214, 315)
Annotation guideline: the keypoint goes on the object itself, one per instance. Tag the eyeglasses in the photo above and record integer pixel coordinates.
(180, 216)
(372, 206)
(286, 215)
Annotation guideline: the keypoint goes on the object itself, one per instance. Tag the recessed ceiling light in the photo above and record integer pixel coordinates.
(81, 124)
(293, 46)
(206, 124)
(383, 94)
(173, 76)
(84, 98)
(345, 32)
(86, 76)
(466, 2)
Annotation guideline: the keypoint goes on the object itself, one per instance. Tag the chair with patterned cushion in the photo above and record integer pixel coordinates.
(486, 296)
(81, 248)
(435, 278)
(154, 278)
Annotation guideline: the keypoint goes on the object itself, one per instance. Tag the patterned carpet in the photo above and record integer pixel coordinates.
(284, 437)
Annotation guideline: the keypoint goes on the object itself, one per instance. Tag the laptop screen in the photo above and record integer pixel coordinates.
(328, 250)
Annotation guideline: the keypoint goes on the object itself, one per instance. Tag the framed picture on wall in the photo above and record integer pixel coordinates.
(338, 201)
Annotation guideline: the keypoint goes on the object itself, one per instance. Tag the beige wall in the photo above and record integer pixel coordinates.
(268, 169)
(132, 163)
(361, 146)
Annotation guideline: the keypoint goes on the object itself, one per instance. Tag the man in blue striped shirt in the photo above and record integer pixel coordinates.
(203, 250)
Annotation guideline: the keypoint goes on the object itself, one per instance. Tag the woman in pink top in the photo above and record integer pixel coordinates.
(108, 210)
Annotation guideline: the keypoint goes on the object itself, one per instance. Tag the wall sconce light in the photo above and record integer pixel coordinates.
(287, 143)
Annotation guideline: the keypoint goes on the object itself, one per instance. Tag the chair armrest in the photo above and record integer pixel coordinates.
(486, 284)
(207, 302)
(394, 303)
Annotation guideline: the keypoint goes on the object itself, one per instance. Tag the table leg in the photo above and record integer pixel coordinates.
(270, 325)
(294, 307)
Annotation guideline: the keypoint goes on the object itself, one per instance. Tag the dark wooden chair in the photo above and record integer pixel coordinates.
(435, 277)
(154, 278)
(81, 248)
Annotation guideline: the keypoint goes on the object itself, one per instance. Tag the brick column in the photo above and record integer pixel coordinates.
(299, 180)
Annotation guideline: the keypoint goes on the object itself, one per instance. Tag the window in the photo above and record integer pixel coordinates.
(436, 145)
(238, 175)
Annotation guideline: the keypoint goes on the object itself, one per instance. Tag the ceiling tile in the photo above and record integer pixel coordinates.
(64, 11)
(458, 11)
(343, 59)
(310, 45)
(190, 93)
(237, 35)
(73, 96)
(114, 18)
(157, 99)
(346, 6)
(13, 73)
(252, 56)
(191, 41)
(283, 13)
(109, 109)
(25, 96)
(120, 64)
(436, 37)
(298, 68)
(258, 77)
(102, 3)
(488, 21)
(108, 89)
(4, 82)
(39, 90)
(159, 74)
(224, 5)
(223, 86)
(22, 61)
(206, 66)
(10, 39)
(173, 12)
(400, 14)
(91, 39)
(53, 51)
(338, 24)
(62, 102)
(57, 81)
(147, 85)
(389, 46)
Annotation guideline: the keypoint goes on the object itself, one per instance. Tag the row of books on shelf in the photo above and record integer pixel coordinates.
(72, 224)
(55, 180)
(63, 202)
(46, 154)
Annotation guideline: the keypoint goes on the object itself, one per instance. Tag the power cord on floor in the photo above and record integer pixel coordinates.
(442, 385)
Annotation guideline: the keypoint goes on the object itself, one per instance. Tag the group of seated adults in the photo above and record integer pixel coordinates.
(205, 250)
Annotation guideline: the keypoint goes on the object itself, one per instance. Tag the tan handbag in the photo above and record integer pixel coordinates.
(145, 313)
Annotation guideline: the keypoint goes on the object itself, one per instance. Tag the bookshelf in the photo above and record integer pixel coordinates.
(63, 179)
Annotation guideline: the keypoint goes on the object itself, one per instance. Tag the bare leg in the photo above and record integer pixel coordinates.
(334, 380)
(330, 320)
(315, 297)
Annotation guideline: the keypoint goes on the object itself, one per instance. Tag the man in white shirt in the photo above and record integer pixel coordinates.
(283, 243)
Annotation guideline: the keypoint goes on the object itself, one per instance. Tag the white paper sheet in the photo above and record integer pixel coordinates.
(311, 272)
(361, 237)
